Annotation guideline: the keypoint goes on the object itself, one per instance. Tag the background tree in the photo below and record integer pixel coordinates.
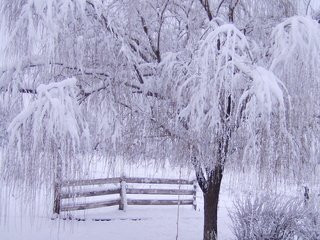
(295, 58)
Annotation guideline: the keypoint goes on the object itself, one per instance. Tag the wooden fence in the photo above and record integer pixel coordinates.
(66, 190)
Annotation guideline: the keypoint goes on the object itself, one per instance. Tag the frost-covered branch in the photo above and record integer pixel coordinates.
(240, 94)
(296, 37)
(51, 124)
(295, 58)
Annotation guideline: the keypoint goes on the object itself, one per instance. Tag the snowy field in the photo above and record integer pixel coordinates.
(152, 222)
(137, 223)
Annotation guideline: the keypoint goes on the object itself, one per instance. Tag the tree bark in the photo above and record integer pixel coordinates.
(57, 185)
(211, 200)
(210, 183)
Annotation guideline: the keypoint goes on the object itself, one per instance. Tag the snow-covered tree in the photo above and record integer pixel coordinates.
(223, 97)
(200, 82)
(295, 58)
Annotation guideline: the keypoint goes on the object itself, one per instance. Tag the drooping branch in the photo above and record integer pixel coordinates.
(55, 126)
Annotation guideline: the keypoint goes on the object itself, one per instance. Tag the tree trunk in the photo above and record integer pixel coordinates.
(210, 185)
(211, 199)
(57, 186)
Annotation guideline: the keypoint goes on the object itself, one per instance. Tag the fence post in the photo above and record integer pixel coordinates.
(194, 195)
(123, 195)
(57, 198)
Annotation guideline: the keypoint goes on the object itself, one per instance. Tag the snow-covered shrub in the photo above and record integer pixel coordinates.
(275, 217)
(316, 16)
(309, 228)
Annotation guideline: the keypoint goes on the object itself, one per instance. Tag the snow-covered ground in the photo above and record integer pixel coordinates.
(138, 222)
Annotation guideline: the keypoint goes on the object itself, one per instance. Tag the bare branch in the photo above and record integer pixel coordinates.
(308, 6)
(206, 6)
(146, 31)
(219, 6)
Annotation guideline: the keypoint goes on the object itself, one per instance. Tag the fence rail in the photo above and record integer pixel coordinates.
(83, 206)
(74, 183)
(159, 202)
(90, 193)
(66, 190)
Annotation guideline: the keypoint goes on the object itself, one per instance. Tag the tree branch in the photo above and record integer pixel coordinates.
(147, 93)
(146, 31)
(231, 10)
(84, 95)
(219, 6)
(27, 90)
(307, 8)
(202, 181)
(140, 79)
(206, 6)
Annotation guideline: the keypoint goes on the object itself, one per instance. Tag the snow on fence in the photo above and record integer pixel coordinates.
(67, 190)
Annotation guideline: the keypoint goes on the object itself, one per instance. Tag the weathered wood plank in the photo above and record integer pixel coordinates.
(57, 198)
(128, 180)
(123, 196)
(83, 206)
(92, 193)
(159, 191)
(159, 202)
(73, 183)
(159, 181)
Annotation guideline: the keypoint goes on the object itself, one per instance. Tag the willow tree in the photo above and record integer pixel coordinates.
(295, 58)
(186, 80)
